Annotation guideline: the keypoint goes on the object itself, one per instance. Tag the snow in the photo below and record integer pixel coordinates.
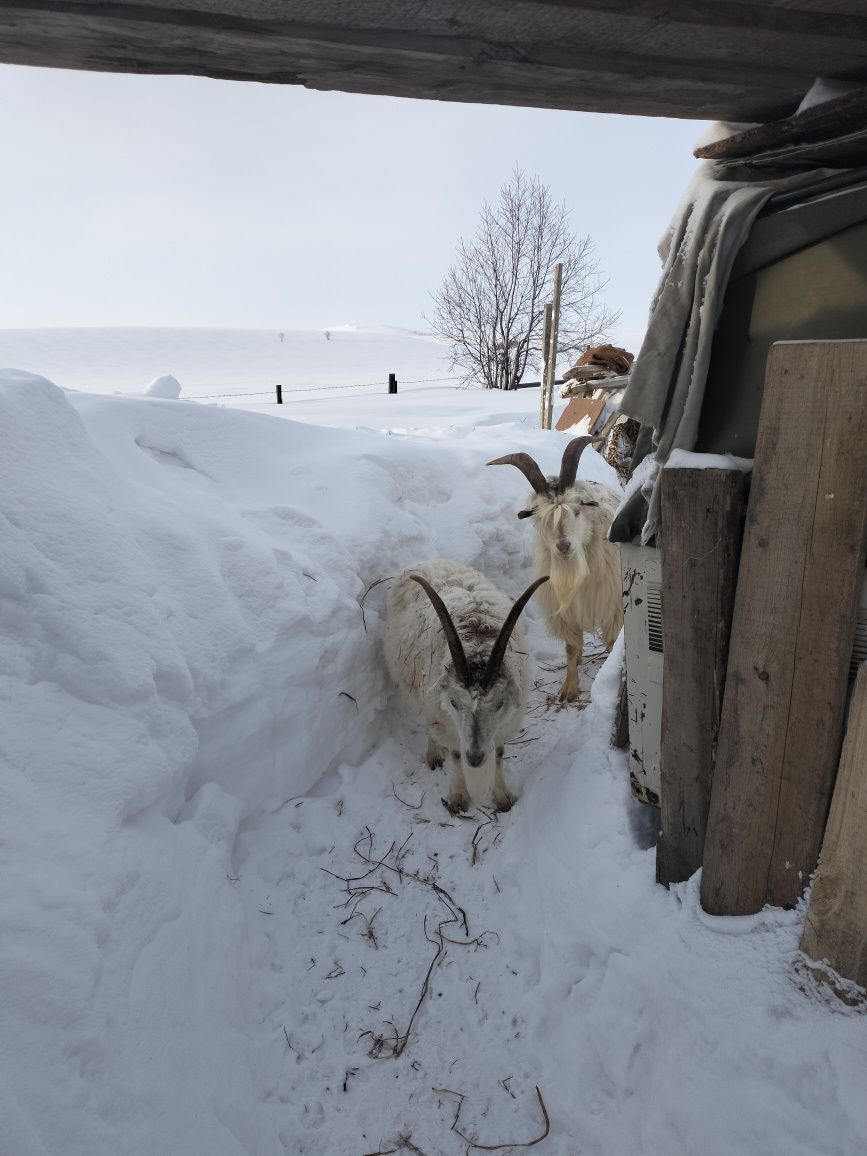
(165, 386)
(246, 364)
(686, 460)
(198, 730)
(644, 475)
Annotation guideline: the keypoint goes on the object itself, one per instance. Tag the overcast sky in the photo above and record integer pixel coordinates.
(129, 200)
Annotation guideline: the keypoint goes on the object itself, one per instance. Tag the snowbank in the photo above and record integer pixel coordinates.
(196, 732)
(182, 646)
(165, 386)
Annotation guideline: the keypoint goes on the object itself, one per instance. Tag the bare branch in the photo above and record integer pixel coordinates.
(490, 305)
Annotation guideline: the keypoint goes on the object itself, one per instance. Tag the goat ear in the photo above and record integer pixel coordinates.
(526, 513)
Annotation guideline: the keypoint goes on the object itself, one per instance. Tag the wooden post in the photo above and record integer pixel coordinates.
(547, 318)
(699, 549)
(836, 926)
(551, 350)
(801, 569)
(392, 383)
(279, 394)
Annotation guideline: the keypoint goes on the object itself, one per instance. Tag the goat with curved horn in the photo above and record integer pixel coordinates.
(528, 467)
(451, 635)
(499, 648)
(572, 519)
(569, 463)
(474, 704)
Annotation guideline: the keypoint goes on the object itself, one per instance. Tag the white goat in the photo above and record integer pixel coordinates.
(461, 659)
(572, 520)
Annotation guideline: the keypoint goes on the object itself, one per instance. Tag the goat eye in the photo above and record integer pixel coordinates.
(589, 503)
(501, 704)
(454, 703)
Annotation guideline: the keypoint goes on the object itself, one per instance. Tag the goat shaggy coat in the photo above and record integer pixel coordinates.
(585, 592)
(571, 520)
(470, 706)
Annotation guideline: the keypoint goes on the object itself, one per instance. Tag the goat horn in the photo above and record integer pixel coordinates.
(452, 638)
(528, 468)
(569, 464)
(499, 651)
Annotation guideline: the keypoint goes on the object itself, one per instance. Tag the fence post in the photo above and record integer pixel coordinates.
(551, 360)
(547, 316)
(392, 383)
(279, 394)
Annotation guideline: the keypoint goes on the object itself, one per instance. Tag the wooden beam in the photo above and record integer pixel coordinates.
(738, 60)
(801, 570)
(836, 927)
(702, 514)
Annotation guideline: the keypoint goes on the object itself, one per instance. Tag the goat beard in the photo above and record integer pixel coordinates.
(567, 576)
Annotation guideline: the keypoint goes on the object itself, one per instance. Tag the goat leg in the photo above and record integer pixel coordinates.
(571, 687)
(434, 756)
(503, 797)
(458, 796)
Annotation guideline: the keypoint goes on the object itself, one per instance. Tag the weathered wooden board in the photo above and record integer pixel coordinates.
(739, 60)
(579, 408)
(844, 114)
(700, 545)
(801, 568)
(836, 926)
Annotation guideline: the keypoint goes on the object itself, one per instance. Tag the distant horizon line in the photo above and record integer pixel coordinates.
(343, 327)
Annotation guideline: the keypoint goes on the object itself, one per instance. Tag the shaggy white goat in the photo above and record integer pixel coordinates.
(454, 647)
(572, 520)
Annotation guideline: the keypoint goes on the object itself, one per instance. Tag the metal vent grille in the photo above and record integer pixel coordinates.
(654, 617)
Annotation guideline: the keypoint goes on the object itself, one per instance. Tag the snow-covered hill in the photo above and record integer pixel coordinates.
(201, 760)
(226, 361)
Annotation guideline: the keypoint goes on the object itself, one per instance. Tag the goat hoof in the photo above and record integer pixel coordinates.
(455, 804)
(505, 802)
(434, 757)
(569, 694)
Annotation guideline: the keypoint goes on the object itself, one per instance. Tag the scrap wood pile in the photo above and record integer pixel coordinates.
(597, 363)
(595, 385)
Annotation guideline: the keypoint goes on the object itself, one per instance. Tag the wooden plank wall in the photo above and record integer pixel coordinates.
(801, 568)
(836, 927)
(702, 518)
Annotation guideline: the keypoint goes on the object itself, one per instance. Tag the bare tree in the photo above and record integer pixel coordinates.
(491, 303)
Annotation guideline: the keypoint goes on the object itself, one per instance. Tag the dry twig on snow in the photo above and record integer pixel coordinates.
(393, 1044)
(471, 1143)
(372, 586)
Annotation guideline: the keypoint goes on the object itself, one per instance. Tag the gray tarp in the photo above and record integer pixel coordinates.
(666, 389)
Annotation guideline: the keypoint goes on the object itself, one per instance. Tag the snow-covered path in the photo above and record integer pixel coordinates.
(646, 1026)
(199, 746)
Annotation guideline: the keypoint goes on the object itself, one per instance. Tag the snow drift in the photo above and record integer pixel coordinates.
(195, 723)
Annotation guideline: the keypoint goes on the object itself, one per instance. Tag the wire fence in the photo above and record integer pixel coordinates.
(319, 388)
